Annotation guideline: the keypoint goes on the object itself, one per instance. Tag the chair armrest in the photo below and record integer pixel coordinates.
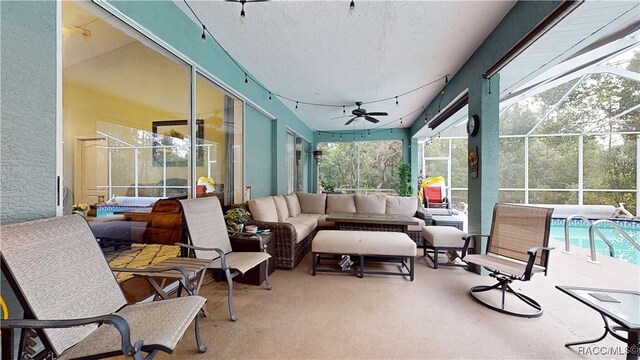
(285, 233)
(423, 214)
(114, 320)
(533, 252)
(223, 258)
(467, 240)
(180, 269)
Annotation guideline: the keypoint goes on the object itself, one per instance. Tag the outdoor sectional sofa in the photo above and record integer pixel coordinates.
(295, 218)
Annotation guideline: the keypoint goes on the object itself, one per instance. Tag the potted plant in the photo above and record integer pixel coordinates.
(236, 218)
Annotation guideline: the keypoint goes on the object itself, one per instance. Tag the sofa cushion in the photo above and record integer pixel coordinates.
(312, 203)
(341, 203)
(371, 204)
(312, 222)
(293, 205)
(401, 205)
(302, 229)
(281, 207)
(263, 209)
(323, 223)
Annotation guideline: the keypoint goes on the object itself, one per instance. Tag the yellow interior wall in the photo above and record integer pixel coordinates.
(84, 107)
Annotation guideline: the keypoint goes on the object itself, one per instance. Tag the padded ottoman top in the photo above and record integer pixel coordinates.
(363, 243)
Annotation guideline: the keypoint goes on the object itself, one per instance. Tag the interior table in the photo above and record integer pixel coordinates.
(621, 306)
(372, 222)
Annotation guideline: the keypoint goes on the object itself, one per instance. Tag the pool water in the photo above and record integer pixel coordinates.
(579, 236)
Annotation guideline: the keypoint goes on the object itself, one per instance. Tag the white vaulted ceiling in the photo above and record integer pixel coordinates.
(320, 52)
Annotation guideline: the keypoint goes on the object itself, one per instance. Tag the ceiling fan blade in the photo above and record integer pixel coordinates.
(372, 119)
(381, 113)
(340, 117)
(350, 120)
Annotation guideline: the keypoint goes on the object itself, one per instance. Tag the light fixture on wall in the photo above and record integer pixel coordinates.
(317, 154)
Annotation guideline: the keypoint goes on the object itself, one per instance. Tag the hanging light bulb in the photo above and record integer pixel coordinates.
(351, 7)
(296, 105)
(246, 80)
(269, 95)
(203, 38)
(446, 79)
(344, 111)
(340, 136)
(368, 132)
(396, 100)
(242, 14)
(332, 135)
(391, 130)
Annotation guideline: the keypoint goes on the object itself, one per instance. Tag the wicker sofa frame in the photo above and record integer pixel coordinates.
(289, 252)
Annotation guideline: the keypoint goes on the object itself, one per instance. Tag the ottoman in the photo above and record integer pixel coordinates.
(442, 239)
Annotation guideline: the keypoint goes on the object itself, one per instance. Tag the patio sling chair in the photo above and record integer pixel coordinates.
(73, 301)
(516, 249)
(209, 243)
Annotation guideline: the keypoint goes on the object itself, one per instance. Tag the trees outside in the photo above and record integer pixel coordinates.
(601, 112)
(365, 165)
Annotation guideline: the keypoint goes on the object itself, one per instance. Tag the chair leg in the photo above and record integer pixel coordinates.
(202, 348)
(232, 312)
(266, 273)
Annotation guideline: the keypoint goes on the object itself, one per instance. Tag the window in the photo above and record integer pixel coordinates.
(296, 163)
(360, 167)
(127, 125)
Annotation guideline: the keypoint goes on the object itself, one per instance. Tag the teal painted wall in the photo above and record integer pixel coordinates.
(184, 35)
(258, 149)
(28, 110)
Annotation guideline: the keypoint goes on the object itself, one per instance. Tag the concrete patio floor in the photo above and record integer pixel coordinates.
(333, 316)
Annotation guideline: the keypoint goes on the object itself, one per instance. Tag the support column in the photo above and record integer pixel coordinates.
(483, 190)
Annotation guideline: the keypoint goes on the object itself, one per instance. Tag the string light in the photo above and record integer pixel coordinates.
(352, 6)
(391, 130)
(296, 105)
(203, 38)
(246, 80)
(340, 136)
(446, 79)
(271, 94)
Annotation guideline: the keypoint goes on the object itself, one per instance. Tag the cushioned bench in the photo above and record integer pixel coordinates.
(376, 246)
(442, 239)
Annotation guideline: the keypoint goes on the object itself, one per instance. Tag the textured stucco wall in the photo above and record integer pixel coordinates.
(28, 110)
(258, 150)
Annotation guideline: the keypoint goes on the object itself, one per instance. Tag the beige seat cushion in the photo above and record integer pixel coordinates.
(341, 203)
(416, 227)
(444, 236)
(401, 205)
(363, 243)
(160, 323)
(312, 203)
(293, 205)
(323, 223)
(502, 264)
(311, 221)
(371, 204)
(263, 209)
(281, 207)
(241, 261)
(302, 231)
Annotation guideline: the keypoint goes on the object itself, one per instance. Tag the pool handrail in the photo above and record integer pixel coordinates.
(567, 242)
(592, 242)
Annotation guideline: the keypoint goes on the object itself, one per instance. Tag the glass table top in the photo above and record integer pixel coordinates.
(620, 305)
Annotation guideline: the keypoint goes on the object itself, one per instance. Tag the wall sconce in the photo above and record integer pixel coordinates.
(317, 154)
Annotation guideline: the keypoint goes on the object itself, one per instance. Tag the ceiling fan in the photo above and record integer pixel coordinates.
(359, 112)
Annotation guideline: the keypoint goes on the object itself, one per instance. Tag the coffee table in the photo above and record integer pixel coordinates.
(621, 306)
(372, 222)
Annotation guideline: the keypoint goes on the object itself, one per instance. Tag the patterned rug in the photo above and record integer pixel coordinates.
(140, 256)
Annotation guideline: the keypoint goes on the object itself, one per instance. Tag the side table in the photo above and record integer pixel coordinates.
(245, 242)
(448, 221)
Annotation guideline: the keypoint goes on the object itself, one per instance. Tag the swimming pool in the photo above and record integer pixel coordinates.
(579, 235)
